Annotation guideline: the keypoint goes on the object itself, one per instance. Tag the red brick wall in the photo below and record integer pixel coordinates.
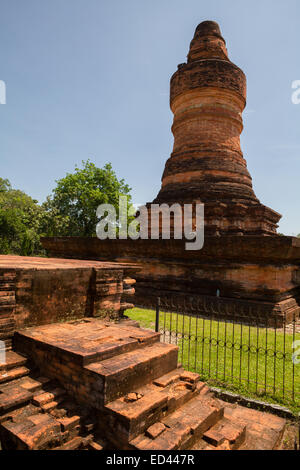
(31, 296)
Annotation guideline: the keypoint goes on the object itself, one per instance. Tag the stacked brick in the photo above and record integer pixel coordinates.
(208, 96)
(7, 306)
(116, 386)
(36, 291)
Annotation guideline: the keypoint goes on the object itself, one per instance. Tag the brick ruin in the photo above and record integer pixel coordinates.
(37, 291)
(244, 265)
(74, 372)
(207, 98)
(91, 379)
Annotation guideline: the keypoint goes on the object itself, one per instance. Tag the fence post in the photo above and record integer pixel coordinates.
(157, 315)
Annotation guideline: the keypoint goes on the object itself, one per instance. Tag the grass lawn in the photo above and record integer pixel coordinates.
(213, 349)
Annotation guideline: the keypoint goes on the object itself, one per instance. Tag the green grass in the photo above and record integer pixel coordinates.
(201, 349)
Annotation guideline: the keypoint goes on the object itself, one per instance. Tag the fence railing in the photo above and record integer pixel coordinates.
(255, 354)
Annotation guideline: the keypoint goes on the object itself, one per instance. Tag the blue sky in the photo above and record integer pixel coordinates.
(90, 79)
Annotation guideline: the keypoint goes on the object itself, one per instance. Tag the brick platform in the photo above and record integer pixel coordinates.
(35, 291)
(108, 385)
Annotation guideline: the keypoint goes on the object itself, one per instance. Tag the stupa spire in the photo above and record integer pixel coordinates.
(207, 97)
(208, 43)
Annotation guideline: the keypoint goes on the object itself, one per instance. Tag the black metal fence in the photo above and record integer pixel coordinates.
(254, 354)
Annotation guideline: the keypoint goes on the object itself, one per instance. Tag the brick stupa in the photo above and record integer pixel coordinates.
(244, 266)
(208, 96)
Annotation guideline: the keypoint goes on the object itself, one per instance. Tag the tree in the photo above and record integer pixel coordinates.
(71, 211)
(4, 185)
(20, 217)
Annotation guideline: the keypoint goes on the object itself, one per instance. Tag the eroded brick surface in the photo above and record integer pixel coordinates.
(207, 97)
(255, 270)
(135, 398)
(49, 290)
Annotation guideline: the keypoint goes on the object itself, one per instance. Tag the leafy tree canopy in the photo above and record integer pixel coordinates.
(71, 211)
(20, 217)
(4, 185)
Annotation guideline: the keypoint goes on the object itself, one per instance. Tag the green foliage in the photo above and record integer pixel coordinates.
(4, 185)
(20, 217)
(53, 223)
(71, 211)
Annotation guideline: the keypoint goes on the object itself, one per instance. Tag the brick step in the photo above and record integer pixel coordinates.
(7, 298)
(48, 400)
(36, 432)
(226, 434)
(125, 372)
(141, 408)
(95, 445)
(27, 426)
(11, 360)
(7, 305)
(264, 430)
(34, 384)
(16, 373)
(183, 427)
(73, 444)
(7, 326)
(30, 383)
(7, 288)
(6, 332)
(77, 443)
(18, 393)
(103, 342)
(6, 320)
(203, 445)
(11, 397)
(4, 292)
(39, 431)
(243, 429)
(7, 308)
(69, 423)
(20, 413)
(63, 408)
(7, 285)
